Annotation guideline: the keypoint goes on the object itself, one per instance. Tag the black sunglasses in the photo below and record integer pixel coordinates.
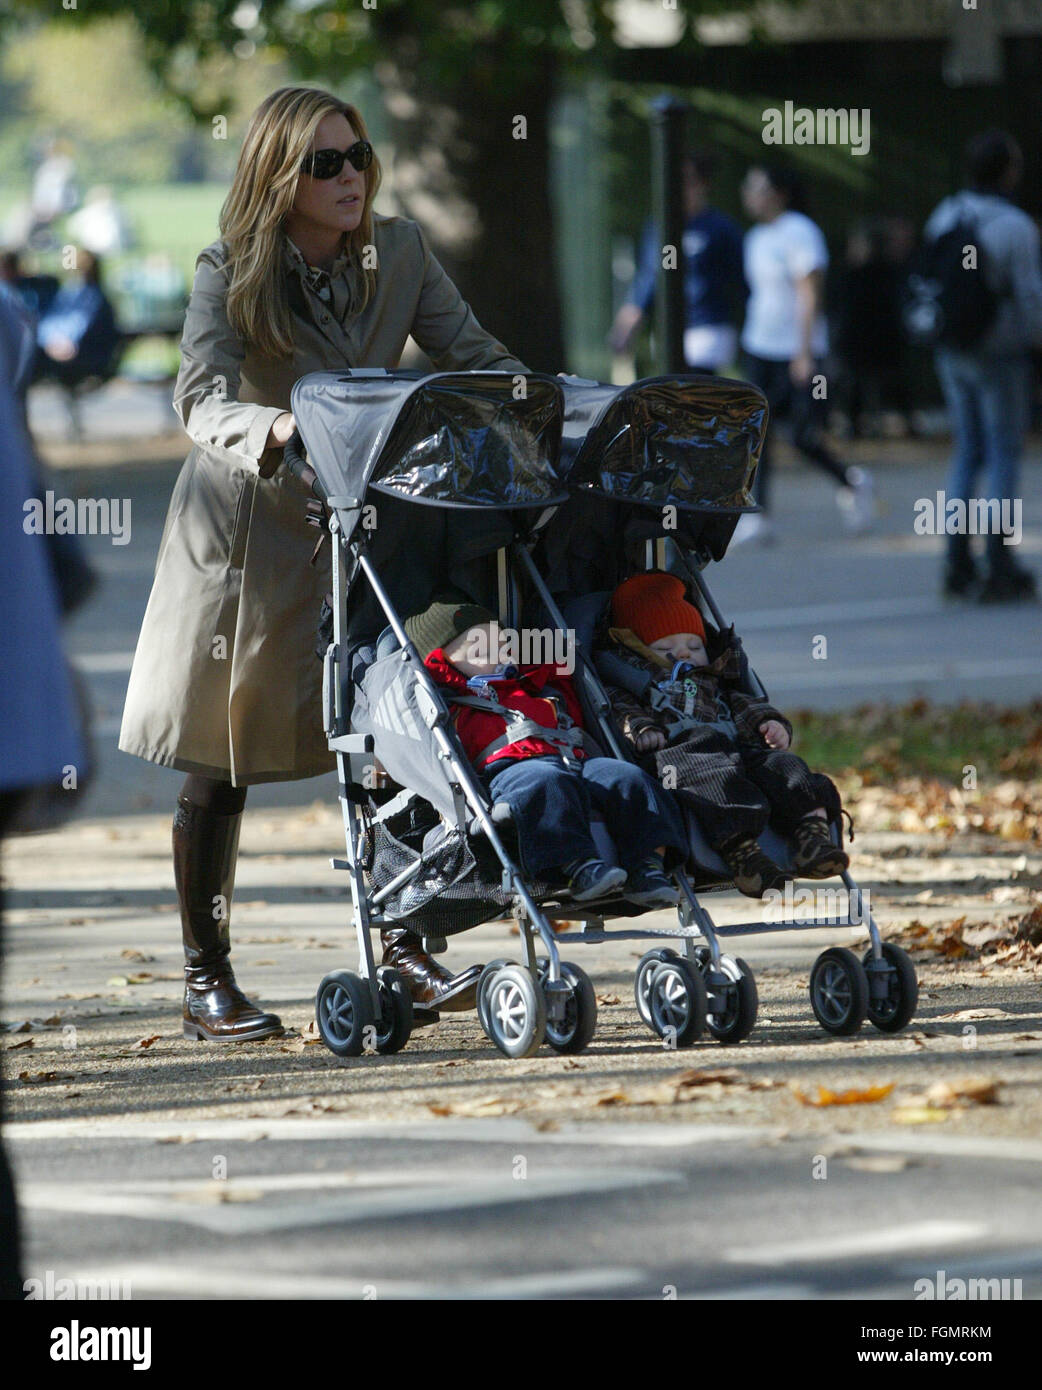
(326, 164)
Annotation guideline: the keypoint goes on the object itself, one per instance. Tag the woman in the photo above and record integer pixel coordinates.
(784, 339)
(225, 685)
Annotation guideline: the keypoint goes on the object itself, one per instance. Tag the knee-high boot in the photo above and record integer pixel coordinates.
(205, 848)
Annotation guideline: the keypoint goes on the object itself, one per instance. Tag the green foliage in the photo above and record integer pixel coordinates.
(884, 742)
(484, 42)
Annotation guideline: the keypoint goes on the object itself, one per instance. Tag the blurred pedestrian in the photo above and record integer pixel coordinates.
(987, 382)
(77, 333)
(867, 325)
(40, 733)
(54, 191)
(37, 291)
(101, 225)
(784, 340)
(714, 287)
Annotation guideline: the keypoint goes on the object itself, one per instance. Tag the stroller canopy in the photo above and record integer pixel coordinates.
(692, 442)
(452, 439)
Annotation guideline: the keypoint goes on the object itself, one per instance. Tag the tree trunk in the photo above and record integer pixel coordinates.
(482, 195)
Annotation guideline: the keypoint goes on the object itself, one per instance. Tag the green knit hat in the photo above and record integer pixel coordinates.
(445, 619)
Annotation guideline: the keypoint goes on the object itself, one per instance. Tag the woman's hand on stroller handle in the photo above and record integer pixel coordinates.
(282, 428)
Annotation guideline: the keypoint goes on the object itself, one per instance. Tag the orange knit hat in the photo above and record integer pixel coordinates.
(653, 606)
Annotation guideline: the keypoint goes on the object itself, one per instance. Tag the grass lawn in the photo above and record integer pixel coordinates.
(882, 743)
(178, 218)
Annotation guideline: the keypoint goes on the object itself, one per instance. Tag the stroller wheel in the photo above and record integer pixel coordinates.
(573, 1032)
(394, 1026)
(483, 982)
(515, 1011)
(741, 1003)
(839, 991)
(893, 1008)
(642, 979)
(677, 1002)
(344, 1010)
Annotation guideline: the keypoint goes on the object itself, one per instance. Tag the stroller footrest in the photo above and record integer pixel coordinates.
(352, 743)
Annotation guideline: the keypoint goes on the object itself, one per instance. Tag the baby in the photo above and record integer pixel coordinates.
(522, 729)
(722, 750)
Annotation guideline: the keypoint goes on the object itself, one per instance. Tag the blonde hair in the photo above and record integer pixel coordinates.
(278, 138)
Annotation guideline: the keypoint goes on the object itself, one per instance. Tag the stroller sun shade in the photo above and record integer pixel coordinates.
(460, 439)
(691, 442)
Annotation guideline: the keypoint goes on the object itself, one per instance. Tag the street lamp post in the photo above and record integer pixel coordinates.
(668, 126)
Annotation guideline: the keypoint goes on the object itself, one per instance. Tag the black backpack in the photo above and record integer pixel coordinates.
(943, 302)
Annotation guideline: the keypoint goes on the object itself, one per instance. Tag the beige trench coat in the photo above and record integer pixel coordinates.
(225, 680)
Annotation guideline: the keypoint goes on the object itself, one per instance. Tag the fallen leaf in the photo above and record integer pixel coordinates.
(612, 1098)
(947, 1095)
(971, 1013)
(216, 1193)
(118, 981)
(920, 1115)
(132, 953)
(45, 1077)
(866, 1095)
(608, 1000)
(490, 1106)
(27, 1042)
(881, 1163)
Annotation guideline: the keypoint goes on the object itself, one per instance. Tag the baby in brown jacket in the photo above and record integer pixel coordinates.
(723, 751)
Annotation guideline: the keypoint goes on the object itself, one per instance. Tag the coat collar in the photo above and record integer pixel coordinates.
(446, 674)
(295, 259)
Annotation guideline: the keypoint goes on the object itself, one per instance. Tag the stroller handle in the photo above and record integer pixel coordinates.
(293, 458)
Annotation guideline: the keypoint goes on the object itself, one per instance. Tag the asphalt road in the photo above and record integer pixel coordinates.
(492, 1209)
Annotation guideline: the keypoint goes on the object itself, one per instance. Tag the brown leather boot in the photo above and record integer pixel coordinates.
(205, 848)
(430, 984)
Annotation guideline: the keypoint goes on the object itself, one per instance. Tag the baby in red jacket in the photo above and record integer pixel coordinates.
(521, 726)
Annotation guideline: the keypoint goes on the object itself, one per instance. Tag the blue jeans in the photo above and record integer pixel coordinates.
(988, 400)
(551, 805)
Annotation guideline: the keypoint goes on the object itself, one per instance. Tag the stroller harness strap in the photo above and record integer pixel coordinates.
(677, 702)
(567, 737)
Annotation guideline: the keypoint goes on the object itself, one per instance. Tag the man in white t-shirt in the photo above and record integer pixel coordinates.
(785, 338)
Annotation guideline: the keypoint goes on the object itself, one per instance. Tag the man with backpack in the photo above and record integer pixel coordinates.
(976, 297)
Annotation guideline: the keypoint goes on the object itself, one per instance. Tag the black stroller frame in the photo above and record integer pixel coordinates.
(678, 994)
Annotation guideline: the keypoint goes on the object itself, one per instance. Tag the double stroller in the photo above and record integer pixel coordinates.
(535, 496)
